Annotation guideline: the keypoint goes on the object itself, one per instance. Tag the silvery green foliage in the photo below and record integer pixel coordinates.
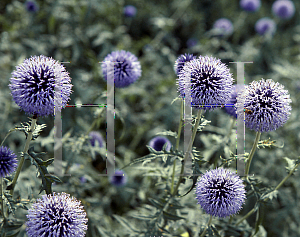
(79, 34)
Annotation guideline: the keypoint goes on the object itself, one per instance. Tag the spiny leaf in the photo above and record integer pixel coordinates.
(47, 178)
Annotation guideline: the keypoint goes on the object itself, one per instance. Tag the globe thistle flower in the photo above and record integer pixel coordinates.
(157, 143)
(56, 215)
(220, 192)
(31, 6)
(223, 27)
(96, 136)
(265, 104)
(231, 103)
(284, 9)
(129, 11)
(265, 26)
(127, 68)
(181, 60)
(40, 84)
(119, 179)
(250, 5)
(8, 161)
(211, 82)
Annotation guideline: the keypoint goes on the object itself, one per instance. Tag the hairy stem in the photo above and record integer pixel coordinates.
(251, 154)
(29, 137)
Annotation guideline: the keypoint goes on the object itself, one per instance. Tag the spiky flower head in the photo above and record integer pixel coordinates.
(250, 5)
(181, 60)
(119, 179)
(265, 26)
(40, 85)
(123, 66)
(157, 143)
(223, 27)
(265, 105)
(284, 9)
(96, 137)
(220, 192)
(56, 215)
(230, 107)
(211, 82)
(8, 161)
(129, 11)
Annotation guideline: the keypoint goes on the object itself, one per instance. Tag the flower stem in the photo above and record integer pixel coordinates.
(188, 150)
(278, 186)
(251, 154)
(208, 224)
(33, 122)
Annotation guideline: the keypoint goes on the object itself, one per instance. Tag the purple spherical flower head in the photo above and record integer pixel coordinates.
(223, 26)
(265, 104)
(220, 192)
(265, 26)
(211, 82)
(284, 9)
(157, 143)
(8, 161)
(129, 11)
(230, 107)
(31, 6)
(96, 136)
(250, 5)
(56, 215)
(125, 68)
(119, 179)
(39, 85)
(181, 60)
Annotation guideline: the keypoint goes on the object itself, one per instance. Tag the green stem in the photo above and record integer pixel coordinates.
(208, 224)
(285, 179)
(188, 150)
(29, 137)
(246, 216)
(278, 186)
(251, 154)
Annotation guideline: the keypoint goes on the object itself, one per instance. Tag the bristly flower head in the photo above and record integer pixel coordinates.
(8, 161)
(211, 82)
(181, 60)
(220, 192)
(266, 105)
(265, 25)
(119, 179)
(96, 136)
(40, 84)
(129, 11)
(230, 107)
(157, 143)
(250, 5)
(56, 215)
(284, 9)
(223, 26)
(125, 68)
